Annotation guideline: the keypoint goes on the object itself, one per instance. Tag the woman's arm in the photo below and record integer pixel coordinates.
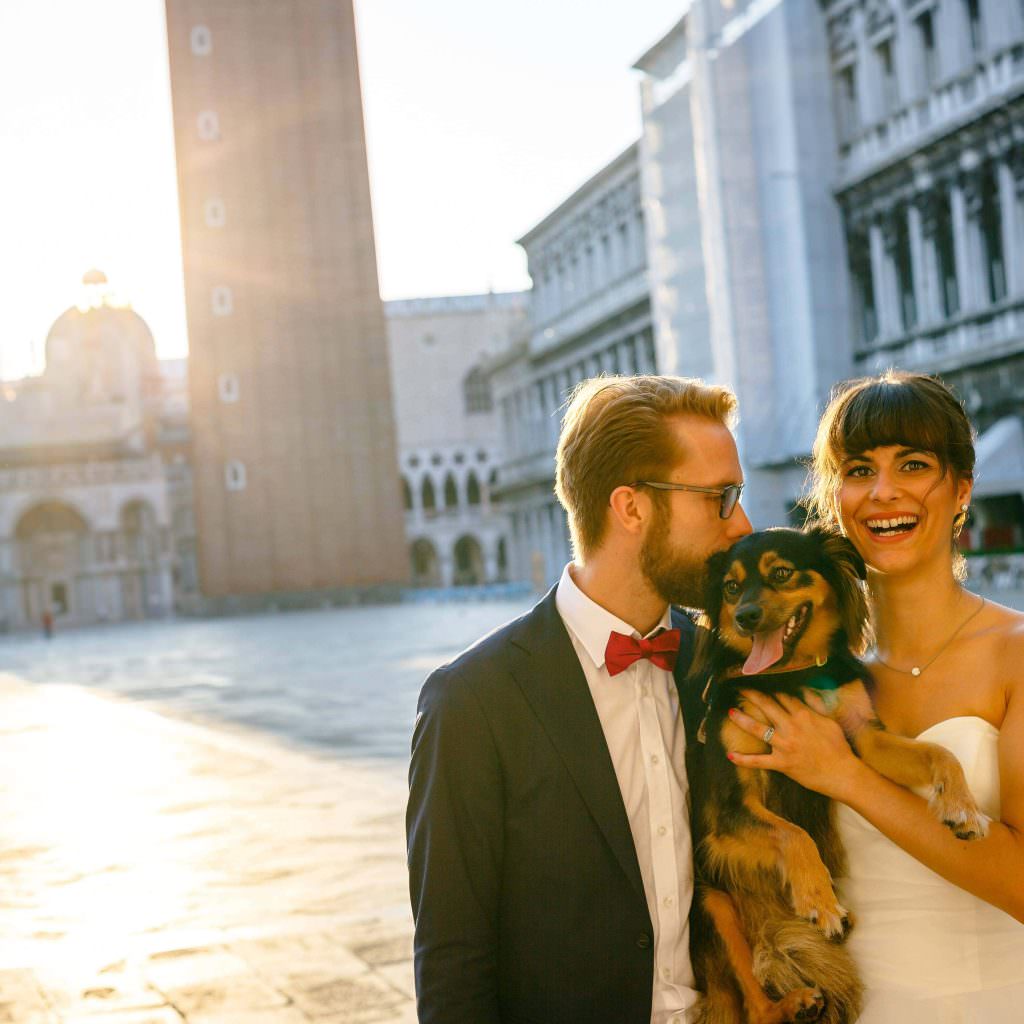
(813, 751)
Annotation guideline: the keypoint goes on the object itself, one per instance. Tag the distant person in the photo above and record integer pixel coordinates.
(939, 933)
(550, 858)
(47, 624)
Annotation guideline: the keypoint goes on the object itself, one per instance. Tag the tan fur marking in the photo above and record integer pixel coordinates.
(760, 1009)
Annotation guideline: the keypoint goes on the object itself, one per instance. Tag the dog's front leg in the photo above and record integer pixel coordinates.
(909, 762)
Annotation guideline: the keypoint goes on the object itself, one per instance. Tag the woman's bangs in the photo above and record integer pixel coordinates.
(884, 414)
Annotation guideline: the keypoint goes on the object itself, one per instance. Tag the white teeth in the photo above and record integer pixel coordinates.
(891, 524)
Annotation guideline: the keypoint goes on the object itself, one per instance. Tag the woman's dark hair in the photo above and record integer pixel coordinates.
(896, 407)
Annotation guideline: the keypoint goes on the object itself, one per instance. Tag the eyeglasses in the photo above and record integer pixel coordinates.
(729, 495)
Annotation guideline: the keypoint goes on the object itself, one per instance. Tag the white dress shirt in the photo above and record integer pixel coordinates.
(639, 713)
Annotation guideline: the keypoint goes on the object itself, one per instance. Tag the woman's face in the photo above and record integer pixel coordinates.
(897, 506)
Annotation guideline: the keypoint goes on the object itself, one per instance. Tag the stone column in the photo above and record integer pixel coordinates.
(927, 204)
(917, 265)
(966, 284)
(1009, 222)
(888, 319)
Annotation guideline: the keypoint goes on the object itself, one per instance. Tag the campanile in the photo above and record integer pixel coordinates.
(294, 455)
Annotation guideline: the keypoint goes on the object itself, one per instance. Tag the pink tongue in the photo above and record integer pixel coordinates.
(766, 651)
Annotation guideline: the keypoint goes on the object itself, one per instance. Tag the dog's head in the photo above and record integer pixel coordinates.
(781, 597)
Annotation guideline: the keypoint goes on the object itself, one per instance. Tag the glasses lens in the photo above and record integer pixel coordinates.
(730, 497)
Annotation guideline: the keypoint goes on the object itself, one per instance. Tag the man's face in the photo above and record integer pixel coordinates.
(681, 538)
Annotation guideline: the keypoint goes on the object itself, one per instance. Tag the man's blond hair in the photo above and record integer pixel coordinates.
(615, 431)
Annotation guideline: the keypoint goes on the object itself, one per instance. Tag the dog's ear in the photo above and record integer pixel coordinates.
(841, 550)
(714, 570)
(847, 580)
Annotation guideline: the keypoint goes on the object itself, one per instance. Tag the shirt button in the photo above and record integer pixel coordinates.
(662, 830)
(645, 690)
(666, 973)
(655, 759)
(668, 901)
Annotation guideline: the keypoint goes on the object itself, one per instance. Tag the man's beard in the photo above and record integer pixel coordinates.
(676, 576)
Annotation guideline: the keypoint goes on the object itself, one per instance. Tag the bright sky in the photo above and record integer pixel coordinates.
(481, 118)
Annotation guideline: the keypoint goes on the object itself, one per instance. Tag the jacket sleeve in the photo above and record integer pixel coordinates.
(454, 826)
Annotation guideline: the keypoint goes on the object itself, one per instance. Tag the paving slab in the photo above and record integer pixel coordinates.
(163, 871)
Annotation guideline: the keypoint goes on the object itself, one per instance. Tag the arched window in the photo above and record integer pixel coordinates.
(469, 562)
(476, 390)
(451, 492)
(502, 559)
(428, 501)
(472, 489)
(406, 495)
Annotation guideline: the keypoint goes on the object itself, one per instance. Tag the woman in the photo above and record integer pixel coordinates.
(939, 936)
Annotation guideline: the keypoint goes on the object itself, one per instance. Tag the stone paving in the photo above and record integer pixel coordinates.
(155, 869)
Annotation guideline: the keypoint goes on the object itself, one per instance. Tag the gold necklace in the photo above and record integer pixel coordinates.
(916, 670)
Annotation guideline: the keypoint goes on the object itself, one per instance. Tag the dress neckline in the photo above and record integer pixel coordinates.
(957, 718)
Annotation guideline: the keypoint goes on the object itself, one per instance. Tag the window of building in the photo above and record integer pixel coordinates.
(889, 88)
(214, 213)
(945, 260)
(208, 126)
(481, 456)
(472, 489)
(846, 100)
(234, 475)
(435, 459)
(992, 238)
(222, 301)
(201, 40)
(929, 54)
(427, 498)
(414, 461)
(863, 287)
(451, 492)
(406, 495)
(476, 391)
(227, 387)
(975, 36)
(458, 458)
(904, 273)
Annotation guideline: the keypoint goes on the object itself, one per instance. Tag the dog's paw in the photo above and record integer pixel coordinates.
(802, 1004)
(959, 813)
(968, 824)
(820, 906)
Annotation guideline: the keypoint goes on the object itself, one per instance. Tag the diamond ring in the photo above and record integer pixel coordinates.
(768, 734)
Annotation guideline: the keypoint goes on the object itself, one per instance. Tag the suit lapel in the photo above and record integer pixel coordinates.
(548, 671)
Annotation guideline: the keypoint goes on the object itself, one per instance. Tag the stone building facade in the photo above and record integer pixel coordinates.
(745, 238)
(929, 102)
(590, 313)
(85, 513)
(449, 435)
(293, 441)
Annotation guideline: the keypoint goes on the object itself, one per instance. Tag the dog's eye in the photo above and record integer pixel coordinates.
(731, 588)
(781, 573)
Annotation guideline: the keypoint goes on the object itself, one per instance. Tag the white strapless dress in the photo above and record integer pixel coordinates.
(930, 953)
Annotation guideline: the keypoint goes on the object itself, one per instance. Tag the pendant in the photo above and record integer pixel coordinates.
(915, 671)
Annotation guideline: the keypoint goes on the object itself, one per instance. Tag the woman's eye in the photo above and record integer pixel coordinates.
(915, 464)
(858, 471)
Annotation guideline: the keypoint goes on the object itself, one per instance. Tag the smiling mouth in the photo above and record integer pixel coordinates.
(771, 646)
(893, 527)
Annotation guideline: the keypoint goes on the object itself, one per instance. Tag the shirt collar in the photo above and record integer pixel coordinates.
(592, 624)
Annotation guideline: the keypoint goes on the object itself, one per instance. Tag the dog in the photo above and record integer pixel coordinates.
(786, 613)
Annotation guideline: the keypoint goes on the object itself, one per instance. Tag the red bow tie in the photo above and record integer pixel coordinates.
(662, 650)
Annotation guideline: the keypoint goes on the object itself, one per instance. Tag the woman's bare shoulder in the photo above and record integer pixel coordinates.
(1005, 634)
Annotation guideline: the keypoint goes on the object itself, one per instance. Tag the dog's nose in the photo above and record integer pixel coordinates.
(749, 616)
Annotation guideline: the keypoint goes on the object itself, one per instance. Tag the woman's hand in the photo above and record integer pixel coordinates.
(807, 746)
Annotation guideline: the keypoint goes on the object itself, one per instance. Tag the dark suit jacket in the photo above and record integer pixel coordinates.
(525, 884)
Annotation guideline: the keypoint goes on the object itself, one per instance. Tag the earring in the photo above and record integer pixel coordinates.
(964, 508)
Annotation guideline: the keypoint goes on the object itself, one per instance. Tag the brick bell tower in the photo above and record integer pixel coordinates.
(294, 452)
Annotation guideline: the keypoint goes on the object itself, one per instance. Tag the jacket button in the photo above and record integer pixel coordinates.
(643, 940)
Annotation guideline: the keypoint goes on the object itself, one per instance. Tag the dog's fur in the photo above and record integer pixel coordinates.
(768, 931)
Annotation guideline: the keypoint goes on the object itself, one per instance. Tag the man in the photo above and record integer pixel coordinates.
(549, 845)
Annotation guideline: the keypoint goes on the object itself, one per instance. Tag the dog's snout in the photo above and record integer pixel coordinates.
(749, 616)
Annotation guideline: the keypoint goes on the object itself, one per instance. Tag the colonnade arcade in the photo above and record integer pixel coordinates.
(938, 239)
